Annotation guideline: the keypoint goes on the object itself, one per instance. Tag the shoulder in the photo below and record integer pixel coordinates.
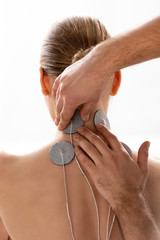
(7, 157)
(7, 161)
(154, 172)
(152, 191)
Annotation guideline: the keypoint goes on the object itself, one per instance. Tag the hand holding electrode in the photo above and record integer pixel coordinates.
(81, 84)
(111, 168)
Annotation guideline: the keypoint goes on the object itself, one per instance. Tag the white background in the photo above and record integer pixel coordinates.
(25, 123)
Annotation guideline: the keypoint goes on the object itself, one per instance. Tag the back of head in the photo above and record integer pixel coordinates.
(68, 41)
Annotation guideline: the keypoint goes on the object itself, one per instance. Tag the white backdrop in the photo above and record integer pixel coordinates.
(25, 123)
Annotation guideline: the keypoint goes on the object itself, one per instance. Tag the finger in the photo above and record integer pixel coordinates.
(88, 148)
(66, 115)
(95, 139)
(59, 107)
(142, 159)
(55, 85)
(112, 140)
(86, 110)
(57, 93)
(85, 161)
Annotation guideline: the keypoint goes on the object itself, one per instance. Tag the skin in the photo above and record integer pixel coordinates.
(32, 200)
(96, 68)
(124, 194)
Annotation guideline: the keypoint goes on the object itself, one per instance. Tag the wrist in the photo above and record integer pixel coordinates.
(105, 52)
(135, 211)
(127, 203)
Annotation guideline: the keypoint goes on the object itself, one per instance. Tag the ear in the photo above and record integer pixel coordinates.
(116, 83)
(44, 81)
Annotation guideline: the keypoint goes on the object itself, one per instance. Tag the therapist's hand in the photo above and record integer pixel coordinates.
(115, 174)
(81, 84)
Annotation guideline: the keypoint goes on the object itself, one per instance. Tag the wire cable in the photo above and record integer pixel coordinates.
(97, 212)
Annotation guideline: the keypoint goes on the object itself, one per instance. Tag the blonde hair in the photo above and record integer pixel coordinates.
(68, 41)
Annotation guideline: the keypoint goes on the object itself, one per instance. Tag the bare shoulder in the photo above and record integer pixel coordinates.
(154, 171)
(6, 157)
(152, 191)
(7, 161)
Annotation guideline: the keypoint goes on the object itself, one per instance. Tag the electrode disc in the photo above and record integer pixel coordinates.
(127, 149)
(62, 151)
(100, 117)
(75, 122)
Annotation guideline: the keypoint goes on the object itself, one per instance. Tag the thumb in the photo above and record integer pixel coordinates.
(142, 159)
(86, 110)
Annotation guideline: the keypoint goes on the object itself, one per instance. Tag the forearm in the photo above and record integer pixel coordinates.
(136, 220)
(139, 45)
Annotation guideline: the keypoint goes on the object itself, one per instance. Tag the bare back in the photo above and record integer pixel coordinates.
(32, 200)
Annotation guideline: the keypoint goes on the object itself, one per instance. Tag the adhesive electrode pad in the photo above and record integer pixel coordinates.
(62, 151)
(100, 117)
(76, 122)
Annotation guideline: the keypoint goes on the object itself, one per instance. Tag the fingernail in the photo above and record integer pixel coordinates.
(77, 149)
(75, 135)
(86, 118)
(80, 129)
(148, 144)
(60, 128)
(99, 125)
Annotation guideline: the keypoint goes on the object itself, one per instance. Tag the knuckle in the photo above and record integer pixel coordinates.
(94, 174)
(95, 138)
(113, 137)
(86, 111)
(80, 156)
(80, 140)
(61, 89)
(69, 100)
(58, 107)
(111, 157)
(101, 164)
(88, 147)
(124, 153)
(88, 163)
(64, 116)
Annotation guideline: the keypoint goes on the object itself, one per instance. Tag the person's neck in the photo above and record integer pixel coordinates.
(61, 136)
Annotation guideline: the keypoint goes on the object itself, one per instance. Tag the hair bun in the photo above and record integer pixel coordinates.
(81, 53)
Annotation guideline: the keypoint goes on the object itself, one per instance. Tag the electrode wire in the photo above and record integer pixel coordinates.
(98, 221)
(111, 226)
(108, 217)
(108, 233)
(66, 194)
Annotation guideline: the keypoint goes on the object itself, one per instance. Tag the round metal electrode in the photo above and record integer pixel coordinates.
(100, 117)
(75, 122)
(61, 152)
(127, 149)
